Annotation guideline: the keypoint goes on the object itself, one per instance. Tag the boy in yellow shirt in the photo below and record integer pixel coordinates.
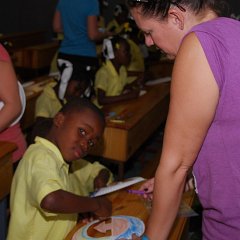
(43, 203)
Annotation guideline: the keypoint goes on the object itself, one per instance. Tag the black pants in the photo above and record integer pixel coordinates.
(81, 63)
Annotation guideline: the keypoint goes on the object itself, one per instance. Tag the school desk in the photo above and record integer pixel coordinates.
(31, 52)
(133, 205)
(6, 173)
(130, 123)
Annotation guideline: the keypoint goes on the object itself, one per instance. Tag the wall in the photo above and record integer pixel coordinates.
(26, 15)
(30, 15)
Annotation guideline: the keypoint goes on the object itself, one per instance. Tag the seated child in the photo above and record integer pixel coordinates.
(55, 94)
(111, 81)
(84, 174)
(43, 204)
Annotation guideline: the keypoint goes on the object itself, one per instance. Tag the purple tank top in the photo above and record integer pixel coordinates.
(217, 168)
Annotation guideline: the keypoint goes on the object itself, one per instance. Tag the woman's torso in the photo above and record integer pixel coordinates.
(217, 168)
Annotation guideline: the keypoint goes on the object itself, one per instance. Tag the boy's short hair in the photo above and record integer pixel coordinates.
(81, 104)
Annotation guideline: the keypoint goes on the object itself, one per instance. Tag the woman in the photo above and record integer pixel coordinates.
(203, 123)
(78, 21)
(12, 105)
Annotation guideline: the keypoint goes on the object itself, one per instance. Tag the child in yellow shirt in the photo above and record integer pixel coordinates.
(43, 203)
(111, 81)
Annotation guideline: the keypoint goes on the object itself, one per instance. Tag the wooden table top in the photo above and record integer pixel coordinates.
(35, 87)
(132, 111)
(134, 205)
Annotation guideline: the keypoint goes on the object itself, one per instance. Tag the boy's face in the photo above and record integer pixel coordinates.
(76, 133)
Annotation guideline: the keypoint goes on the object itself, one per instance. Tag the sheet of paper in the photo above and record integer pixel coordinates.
(116, 186)
(158, 81)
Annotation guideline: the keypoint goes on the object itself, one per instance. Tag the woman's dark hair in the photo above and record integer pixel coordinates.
(159, 8)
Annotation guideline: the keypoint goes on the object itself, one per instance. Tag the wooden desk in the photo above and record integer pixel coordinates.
(32, 92)
(133, 205)
(161, 68)
(31, 52)
(37, 56)
(6, 173)
(141, 117)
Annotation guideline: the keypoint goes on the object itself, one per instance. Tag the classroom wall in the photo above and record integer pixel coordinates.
(26, 15)
(31, 15)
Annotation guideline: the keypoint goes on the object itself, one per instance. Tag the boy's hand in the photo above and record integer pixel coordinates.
(105, 208)
(102, 179)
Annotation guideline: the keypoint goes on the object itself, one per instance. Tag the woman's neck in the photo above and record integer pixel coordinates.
(202, 17)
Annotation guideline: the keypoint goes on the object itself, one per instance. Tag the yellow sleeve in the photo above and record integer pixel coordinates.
(101, 79)
(41, 108)
(83, 175)
(44, 179)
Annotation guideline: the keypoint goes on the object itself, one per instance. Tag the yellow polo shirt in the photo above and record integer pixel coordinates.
(137, 60)
(47, 104)
(41, 171)
(109, 80)
(83, 174)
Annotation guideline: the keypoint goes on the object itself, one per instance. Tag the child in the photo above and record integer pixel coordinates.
(111, 82)
(43, 204)
(83, 174)
(55, 94)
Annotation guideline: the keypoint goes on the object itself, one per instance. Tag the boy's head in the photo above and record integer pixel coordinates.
(117, 49)
(79, 85)
(76, 128)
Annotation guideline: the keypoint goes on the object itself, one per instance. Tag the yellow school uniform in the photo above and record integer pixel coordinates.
(83, 174)
(137, 60)
(41, 171)
(47, 104)
(109, 80)
(114, 26)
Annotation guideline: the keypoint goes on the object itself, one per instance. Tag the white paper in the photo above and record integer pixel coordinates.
(158, 81)
(117, 186)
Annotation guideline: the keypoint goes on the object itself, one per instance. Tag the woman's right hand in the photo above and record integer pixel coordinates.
(148, 188)
(105, 208)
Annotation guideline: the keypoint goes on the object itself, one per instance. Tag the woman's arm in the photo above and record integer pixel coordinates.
(9, 95)
(194, 98)
(57, 23)
(93, 33)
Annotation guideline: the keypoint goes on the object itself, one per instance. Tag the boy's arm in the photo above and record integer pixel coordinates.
(61, 201)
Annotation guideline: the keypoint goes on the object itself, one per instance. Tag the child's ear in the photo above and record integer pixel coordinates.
(58, 120)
